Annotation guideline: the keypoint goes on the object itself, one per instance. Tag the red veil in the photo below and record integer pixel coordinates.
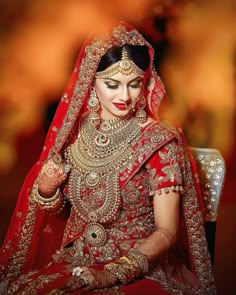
(34, 236)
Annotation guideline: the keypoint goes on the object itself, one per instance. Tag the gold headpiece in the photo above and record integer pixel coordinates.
(125, 66)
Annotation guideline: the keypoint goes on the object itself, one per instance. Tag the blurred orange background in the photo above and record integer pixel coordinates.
(195, 46)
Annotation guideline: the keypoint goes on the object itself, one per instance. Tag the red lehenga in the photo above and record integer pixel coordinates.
(40, 249)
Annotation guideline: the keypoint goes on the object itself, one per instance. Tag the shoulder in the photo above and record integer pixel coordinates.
(155, 136)
(161, 128)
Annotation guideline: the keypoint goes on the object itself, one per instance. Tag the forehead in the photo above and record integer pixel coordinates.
(122, 78)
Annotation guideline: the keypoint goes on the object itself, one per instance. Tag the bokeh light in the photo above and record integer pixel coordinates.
(38, 47)
(42, 38)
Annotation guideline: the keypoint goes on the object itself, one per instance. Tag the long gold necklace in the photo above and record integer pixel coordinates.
(96, 162)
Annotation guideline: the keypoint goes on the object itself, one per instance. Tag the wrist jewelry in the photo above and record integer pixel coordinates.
(117, 271)
(140, 258)
(52, 205)
(40, 199)
(127, 268)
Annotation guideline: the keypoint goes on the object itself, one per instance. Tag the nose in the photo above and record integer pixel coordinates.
(125, 95)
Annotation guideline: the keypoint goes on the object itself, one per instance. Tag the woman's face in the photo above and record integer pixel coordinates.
(118, 94)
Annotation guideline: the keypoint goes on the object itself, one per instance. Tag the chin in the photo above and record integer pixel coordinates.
(123, 113)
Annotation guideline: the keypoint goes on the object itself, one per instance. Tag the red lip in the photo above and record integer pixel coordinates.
(120, 106)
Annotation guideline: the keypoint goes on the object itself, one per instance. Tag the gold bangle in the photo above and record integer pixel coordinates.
(140, 258)
(125, 259)
(126, 269)
(116, 271)
(43, 200)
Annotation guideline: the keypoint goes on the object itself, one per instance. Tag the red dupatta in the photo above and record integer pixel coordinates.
(34, 236)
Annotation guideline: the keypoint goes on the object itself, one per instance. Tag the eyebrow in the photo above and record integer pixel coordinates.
(114, 80)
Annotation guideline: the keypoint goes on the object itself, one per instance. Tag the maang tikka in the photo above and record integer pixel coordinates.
(93, 107)
(125, 66)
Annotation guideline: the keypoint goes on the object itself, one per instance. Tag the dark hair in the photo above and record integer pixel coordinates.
(137, 53)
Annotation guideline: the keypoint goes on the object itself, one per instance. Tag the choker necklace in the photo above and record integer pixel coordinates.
(107, 124)
(109, 138)
(115, 123)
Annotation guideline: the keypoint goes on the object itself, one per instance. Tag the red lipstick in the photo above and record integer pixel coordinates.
(120, 106)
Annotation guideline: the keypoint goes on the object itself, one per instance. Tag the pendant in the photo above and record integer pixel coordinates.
(92, 179)
(102, 140)
(105, 126)
(95, 234)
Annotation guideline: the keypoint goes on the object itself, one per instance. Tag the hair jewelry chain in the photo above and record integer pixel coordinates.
(125, 66)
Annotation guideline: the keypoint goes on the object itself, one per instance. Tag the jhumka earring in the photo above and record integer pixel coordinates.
(141, 114)
(93, 107)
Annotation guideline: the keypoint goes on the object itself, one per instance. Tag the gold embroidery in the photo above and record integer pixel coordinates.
(197, 240)
(37, 284)
(194, 222)
(110, 291)
(155, 92)
(170, 157)
(17, 260)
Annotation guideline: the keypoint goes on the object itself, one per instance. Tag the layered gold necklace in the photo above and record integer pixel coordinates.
(96, 157)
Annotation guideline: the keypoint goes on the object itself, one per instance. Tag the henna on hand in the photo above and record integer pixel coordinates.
(51, 176)
(90, 279)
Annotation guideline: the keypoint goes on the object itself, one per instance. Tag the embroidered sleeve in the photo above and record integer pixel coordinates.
(165, 168)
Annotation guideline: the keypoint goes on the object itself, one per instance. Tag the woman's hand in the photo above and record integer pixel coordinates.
(90, 279)
(51, 176)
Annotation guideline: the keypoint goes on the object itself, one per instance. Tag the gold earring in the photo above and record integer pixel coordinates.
(93, 107)
(141, 114)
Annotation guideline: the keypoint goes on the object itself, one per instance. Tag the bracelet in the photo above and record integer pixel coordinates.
(132, 269)
(140, 258)
(127, 268)
(116, 271)
(135, 268)
(125, 259)
(52, 205)
(41, 199)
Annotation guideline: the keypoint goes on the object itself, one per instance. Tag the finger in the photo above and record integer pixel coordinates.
(56, 158)
(92, 281)
(86, 289)
(64, 177)
(53, 177)
(86, 269)
(61, 179)
(61, 170)
(49, 170)
(74, 284)
(52, 164)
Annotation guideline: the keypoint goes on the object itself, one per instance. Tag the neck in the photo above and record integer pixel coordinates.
(117, 119)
